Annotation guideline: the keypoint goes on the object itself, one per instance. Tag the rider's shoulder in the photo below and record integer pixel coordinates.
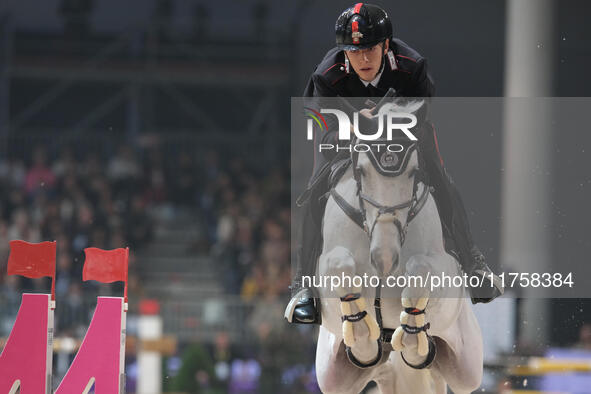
(332, 67)
(407, 58)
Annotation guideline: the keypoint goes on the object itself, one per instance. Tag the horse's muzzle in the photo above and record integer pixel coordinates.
(384, 261)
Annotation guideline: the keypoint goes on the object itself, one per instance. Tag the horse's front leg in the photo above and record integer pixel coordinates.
(359, 328)
(417, 348)
(443, 312)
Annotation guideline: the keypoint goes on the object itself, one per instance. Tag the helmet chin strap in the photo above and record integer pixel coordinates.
(383, 58)
(381, 66)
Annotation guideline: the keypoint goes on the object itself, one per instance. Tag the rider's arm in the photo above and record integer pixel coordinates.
(421, 82)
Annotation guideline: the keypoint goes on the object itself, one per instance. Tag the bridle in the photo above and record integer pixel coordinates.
(415, 203)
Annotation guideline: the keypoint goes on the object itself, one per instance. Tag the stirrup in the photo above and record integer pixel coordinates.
(293, 303)
(496, 290)
(492, 286)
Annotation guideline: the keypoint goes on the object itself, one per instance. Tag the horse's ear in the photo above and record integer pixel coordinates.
(419, 105)
(415, 106)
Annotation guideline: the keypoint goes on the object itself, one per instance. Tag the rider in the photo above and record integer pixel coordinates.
(366, 62)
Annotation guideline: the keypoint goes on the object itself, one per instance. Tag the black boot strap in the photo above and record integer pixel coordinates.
(414, 311)
(354, 317)
(350, 297)
(415, 330)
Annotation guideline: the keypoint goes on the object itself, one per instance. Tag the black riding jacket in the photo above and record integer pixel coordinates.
(403, 69)
(407, 74)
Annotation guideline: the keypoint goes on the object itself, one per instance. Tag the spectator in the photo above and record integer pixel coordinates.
(39, 176)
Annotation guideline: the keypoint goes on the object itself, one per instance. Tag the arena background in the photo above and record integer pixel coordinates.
(163, 125)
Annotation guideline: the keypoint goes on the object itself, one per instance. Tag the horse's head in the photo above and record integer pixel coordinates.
(385, 176)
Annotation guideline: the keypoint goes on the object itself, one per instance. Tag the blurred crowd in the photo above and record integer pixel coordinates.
(264, 365)
(249, 216)
(103, 198)
(78, 199)
(106, 197)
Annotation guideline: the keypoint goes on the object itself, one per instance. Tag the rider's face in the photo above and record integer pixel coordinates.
(367, 62)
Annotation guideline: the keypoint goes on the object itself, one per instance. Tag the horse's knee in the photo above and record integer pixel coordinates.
(337, 261)
(419, 265)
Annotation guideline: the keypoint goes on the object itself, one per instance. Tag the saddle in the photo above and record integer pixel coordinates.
(337, 169)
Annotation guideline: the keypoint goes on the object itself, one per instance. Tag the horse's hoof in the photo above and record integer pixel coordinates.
(418, 328)
(349, 318)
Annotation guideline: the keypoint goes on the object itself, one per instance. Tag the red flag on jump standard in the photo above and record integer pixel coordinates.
(32, 260)
(105, 265)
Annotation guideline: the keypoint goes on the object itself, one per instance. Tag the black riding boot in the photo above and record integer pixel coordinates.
(456, 228)
(303, 306)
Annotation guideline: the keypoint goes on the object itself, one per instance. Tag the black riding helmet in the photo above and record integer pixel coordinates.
(362, 26)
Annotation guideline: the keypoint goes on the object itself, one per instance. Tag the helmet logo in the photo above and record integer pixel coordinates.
(355, 34)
